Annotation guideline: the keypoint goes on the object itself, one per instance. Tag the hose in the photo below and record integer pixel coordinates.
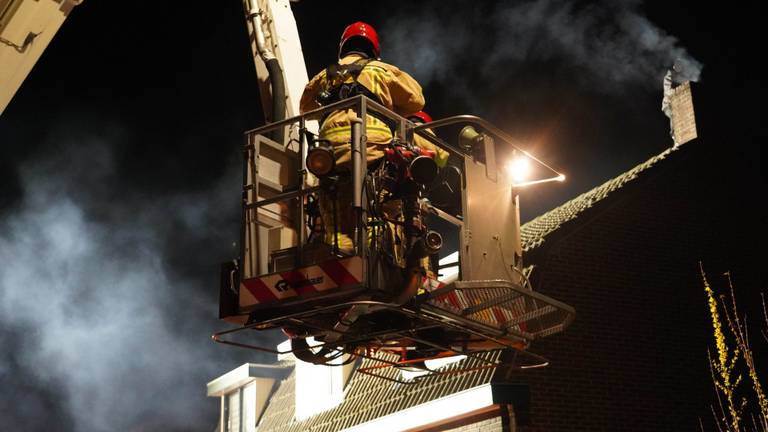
(273, 69)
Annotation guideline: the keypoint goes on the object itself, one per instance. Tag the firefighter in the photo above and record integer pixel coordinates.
(421, 117)
(358, 71)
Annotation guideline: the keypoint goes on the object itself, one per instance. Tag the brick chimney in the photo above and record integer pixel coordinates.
(678, 106)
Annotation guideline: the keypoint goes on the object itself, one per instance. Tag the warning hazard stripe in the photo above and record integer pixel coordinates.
(260, 291)
(301, 282)
(456, 300)
(338, 273)
(449, 298)
(499, 315)
(452, 299)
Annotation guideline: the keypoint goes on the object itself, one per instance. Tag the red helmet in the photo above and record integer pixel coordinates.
(363, 30)
(420, 116)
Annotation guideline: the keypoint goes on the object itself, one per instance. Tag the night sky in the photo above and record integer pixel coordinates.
(120, 178)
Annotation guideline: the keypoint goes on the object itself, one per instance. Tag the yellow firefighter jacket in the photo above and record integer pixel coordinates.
(441, 156)
(395, 90)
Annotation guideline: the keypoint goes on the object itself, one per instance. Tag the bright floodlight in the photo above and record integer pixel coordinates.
(518, 169)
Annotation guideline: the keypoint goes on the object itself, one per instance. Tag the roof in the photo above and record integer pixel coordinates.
(535, 232)
(368, 398)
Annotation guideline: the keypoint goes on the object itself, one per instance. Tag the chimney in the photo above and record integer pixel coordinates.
(678, 106)
(683, 118)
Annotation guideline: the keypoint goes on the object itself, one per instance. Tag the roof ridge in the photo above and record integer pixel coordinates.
(533, 232)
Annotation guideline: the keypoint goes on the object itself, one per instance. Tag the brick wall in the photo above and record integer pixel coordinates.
(635, 357)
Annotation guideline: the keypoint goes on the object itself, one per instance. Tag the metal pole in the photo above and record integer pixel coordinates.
(302, 175)
(361, 230)
(245, 261)
(358, 163)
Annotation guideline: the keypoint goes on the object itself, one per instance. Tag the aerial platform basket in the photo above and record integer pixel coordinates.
(470, 318)
(470, 297)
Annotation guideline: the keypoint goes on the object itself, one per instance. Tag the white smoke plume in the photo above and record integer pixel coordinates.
(96, 324)
(606, 45)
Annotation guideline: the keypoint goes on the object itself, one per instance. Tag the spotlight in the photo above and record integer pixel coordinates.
(423, 169)
(320, 161)
(518, 169)
(433, 241)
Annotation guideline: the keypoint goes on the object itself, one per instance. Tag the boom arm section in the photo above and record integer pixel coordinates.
(26, 29)
(271, 23)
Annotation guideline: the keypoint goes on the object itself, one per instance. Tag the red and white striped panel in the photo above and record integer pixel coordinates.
(448, 300)
(299, 282)
(456, 302)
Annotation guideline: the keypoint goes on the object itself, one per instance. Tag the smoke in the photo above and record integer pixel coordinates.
(105, 318)
(605, 46)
